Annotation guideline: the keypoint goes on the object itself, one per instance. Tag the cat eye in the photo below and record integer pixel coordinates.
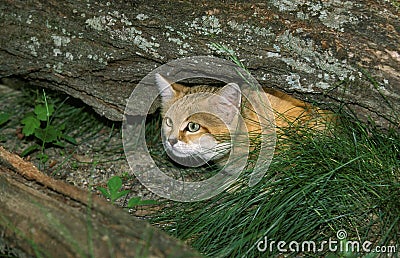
(193, 127)
(168, 121)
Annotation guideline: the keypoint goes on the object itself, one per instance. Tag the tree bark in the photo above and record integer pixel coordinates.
(340, 52)
(44, 217)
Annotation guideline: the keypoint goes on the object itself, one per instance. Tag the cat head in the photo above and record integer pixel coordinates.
(196, 120)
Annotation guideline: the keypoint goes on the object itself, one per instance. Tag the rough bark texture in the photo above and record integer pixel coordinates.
(331, 51)
(43, 217)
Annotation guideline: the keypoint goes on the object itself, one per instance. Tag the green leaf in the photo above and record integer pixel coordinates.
(69, 139)
(118, 195)
(4, 118)
(30, 149)
(59, 144)
(50, 108)
(30, 125)
(104, 191)
(113, 193)
(114, 184)
(48, 134)
(133, 202)
(136, 201)
(43, 112)
(61, 127)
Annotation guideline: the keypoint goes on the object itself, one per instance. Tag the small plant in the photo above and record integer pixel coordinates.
(113, 193)
(39, 125)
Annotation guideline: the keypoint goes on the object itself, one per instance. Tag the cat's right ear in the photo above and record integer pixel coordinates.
(167, 89)
(164, 87)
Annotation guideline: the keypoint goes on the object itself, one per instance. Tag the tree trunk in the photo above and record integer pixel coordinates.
(43, 217)
(326, 51)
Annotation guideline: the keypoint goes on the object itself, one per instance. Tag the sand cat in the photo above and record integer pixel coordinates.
(191, 135)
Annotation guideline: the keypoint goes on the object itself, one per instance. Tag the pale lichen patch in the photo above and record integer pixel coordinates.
(323, 85)
(95, 23)
(338, 15)
(247, 29)
(206, 25)
(272, 54)
(142, 17)
(33, 45)
(56, 52)
(183, 46)
(333, 14)
(120, 27)
(287, 5)
(181, 39)
(303, 57)
(60, 40)
(69, 56)
(294, 81)
(58, 68)
(29, 19)
(300, 65)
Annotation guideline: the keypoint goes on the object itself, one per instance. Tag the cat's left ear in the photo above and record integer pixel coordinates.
(228, 102)
(167, 89)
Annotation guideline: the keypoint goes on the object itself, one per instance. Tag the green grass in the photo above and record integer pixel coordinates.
(316, 185)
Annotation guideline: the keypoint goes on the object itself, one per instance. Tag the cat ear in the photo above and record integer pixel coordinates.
(231, 93)
(167, 89)
(228, 102)
(164, 87)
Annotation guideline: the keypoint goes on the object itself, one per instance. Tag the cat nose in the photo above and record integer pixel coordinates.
(172, 141)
